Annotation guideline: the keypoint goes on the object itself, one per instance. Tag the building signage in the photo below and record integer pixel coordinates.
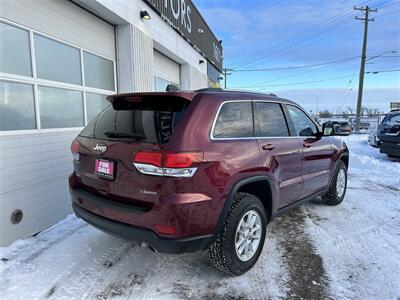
(394, 105)
(186, 19)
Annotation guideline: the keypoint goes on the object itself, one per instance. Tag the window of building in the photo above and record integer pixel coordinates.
(269, 120)
(17, 109)
(15, 50)
(161, 84)
(235, 120)
(302, 123)
(57, 61)
(95, 104)
(60, 108)
(99, 72)
(43, 84)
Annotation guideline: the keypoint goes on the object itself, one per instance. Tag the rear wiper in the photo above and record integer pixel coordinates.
(117, 134)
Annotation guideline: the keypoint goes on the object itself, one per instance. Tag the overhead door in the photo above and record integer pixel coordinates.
(56, 69)
(166, 71)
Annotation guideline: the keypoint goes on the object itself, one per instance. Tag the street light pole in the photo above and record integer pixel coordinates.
(316, 97)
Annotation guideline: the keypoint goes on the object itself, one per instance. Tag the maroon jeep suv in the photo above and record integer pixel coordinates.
(208, 169)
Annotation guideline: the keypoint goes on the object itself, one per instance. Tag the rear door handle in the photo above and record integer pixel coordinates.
(307, 145)
(268, 147)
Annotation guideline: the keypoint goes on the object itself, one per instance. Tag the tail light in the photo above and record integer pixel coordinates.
(183, 164)
(75, 151)
(165, 229)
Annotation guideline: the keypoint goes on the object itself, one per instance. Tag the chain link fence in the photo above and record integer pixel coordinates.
(367, 123)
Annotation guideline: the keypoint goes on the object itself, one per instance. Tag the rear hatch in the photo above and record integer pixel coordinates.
(106, 147)
(389, 130)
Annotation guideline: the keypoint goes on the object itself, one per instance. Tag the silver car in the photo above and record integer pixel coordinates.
(373, 139)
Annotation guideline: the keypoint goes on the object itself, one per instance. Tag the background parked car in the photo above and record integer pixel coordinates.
(389, 134)
(373, 139)
(341, 127)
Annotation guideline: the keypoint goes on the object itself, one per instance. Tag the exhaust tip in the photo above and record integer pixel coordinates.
(146, 245)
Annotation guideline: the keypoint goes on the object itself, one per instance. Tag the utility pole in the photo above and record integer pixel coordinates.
(227, 72)
(366, 20)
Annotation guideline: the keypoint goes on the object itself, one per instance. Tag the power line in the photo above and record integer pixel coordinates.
(308, 71)
(382, 71)
(295, 48)
(388, 13)
(301, 82)
(315, 65)
(321, 80)
(304, 34)
(296, 67)
(389, 4)
(292, 44)
(299, 72)
(296, 38)
(294, 41)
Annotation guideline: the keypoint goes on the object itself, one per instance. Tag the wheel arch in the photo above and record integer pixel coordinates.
(259, 186)
(345, 158)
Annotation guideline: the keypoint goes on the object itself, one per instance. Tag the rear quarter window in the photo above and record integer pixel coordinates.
(234, 120)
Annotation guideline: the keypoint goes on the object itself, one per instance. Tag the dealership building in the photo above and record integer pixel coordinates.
(59, 60)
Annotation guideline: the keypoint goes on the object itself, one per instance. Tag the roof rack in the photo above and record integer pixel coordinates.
(229, 90)
(247, 91)
(209, 90)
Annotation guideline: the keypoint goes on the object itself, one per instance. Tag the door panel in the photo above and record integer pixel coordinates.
(283, 160)
(280, 154)
(317, 153)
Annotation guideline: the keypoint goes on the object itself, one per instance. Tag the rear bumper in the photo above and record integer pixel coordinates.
(129, 232)
(389, 148)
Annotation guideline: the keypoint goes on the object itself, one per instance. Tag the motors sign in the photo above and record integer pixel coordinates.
(186, 19)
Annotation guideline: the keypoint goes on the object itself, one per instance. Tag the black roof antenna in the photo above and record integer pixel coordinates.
(172, 88)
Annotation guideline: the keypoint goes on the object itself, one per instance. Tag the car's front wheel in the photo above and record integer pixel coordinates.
(241, 240)
(337, 189)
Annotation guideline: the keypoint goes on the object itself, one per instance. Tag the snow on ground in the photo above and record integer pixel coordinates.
(351, 251)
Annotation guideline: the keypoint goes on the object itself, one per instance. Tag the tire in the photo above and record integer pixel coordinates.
(335, 196)
(223, 253)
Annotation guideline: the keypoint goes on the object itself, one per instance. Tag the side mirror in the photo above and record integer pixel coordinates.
(328, 129)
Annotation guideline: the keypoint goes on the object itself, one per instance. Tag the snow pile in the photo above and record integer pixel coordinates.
(315, 251)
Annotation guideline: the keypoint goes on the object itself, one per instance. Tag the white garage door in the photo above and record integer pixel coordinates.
(166, 71)
(57, 66)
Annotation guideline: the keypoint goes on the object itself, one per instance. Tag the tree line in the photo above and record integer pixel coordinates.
(349, 111)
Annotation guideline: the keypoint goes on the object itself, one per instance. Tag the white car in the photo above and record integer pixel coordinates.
(373, 139)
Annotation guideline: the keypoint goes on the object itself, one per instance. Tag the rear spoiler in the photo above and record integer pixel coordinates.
(162, 101)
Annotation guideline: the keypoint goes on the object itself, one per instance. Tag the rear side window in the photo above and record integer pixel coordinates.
(269, 120)
(235, 120)
(147, 123)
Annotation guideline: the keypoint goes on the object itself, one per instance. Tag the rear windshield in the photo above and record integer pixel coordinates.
(392, 117)
(147, 122)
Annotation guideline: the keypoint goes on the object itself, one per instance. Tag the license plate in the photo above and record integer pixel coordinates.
(104, 168)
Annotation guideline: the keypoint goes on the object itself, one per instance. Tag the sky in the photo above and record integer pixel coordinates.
(262, 34)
